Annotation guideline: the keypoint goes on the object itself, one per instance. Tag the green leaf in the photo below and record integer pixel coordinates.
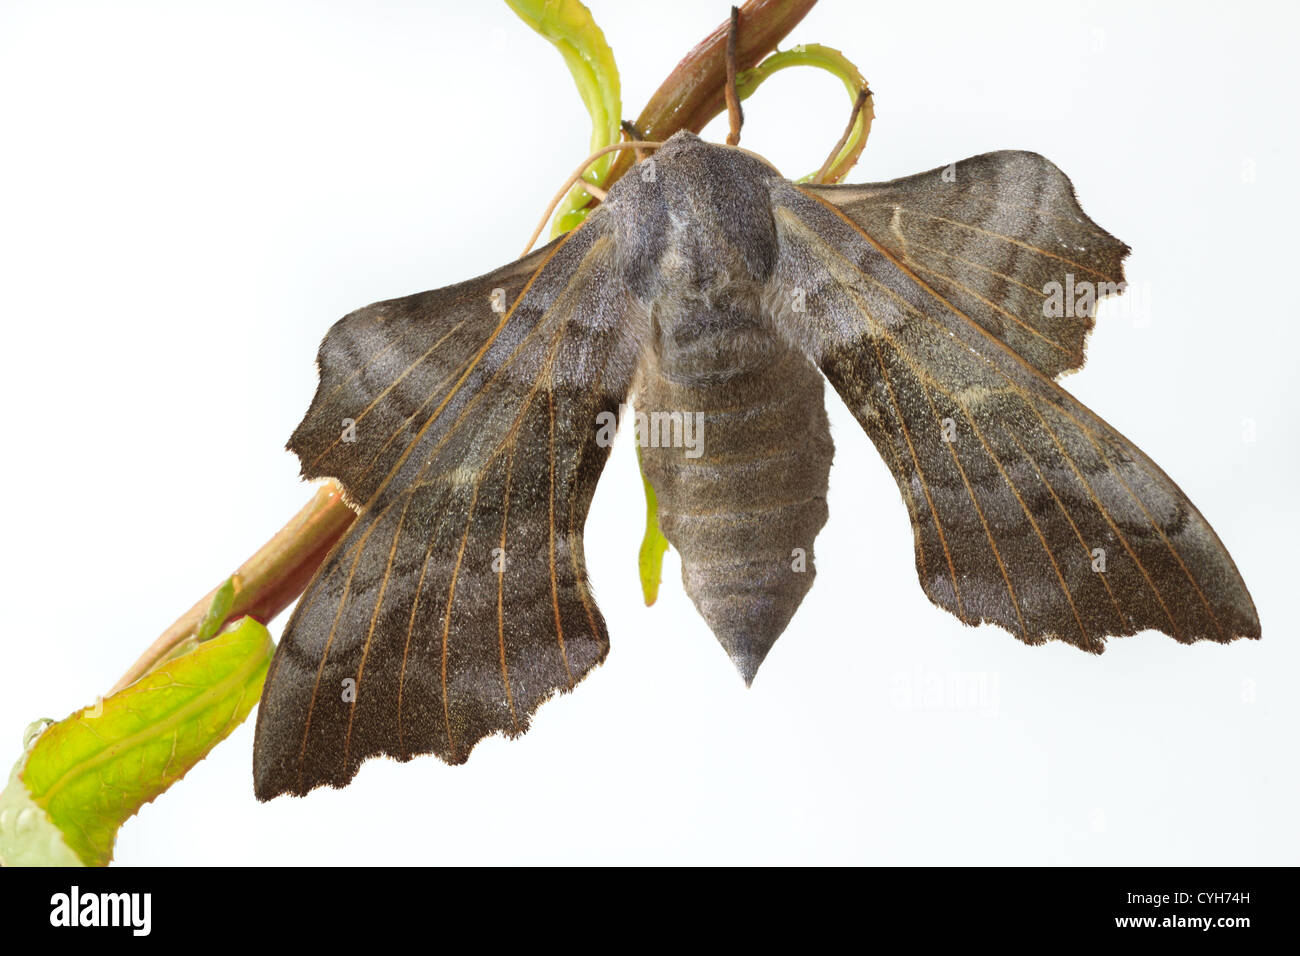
(570, 27)
(650, 561)
(28, 837)
(94, 770)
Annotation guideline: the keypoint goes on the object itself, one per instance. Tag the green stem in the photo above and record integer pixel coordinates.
(267, 582)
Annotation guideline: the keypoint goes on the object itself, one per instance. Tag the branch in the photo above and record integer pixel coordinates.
(695, 91)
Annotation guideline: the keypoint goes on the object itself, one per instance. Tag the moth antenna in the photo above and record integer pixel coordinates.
(633, 134)
(576, 177)
(860, 102)
(735, 115)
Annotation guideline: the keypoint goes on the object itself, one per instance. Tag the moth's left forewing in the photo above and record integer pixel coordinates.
(458, 601)
(1028, 510)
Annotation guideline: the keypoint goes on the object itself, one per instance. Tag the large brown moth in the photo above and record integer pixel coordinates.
(465, 425)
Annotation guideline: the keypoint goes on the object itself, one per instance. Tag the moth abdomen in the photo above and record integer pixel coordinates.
(744, 502)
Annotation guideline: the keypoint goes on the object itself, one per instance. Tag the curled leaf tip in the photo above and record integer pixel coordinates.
(572, 30)
(836, 63)
(650, 560)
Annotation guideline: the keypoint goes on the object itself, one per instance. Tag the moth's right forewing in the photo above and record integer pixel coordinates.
(1028, 510)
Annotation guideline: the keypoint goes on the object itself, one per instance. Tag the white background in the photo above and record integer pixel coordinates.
(191, 193)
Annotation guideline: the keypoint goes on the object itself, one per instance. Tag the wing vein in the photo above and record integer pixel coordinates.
(501, 582)
(920, 474)
(1011, 241)
(325, 653)
(446, 620)
(1119, 614)
(555, 599)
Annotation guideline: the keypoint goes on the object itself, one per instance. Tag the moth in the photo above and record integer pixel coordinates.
(465, 425)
